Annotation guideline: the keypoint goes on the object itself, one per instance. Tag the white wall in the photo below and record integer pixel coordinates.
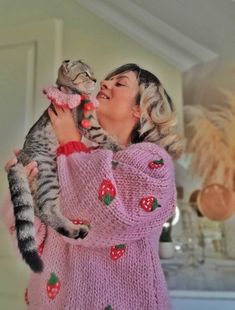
(90, 38)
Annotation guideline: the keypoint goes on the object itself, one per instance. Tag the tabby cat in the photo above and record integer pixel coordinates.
(42, 199)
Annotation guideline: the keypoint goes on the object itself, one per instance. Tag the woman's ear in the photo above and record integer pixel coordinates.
(136, 111)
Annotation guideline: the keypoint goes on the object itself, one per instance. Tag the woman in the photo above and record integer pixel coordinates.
(125, 197)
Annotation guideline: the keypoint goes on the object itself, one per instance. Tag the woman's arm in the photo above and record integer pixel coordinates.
(125, 195)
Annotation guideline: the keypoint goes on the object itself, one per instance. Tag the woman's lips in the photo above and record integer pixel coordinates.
(102, 95)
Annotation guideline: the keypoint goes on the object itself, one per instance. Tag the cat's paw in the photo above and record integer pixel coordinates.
(83, 232)
(74, 231)
(80, 229)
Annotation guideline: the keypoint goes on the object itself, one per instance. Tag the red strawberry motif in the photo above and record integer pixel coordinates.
(84, 98)
(26, 297)
(53, 286)
(40, 248)
(117, 251)
(108, 308)
(156, 164)
(81, 222)
(107, 192)
(149, 203)
(88, 106)
(86, 123)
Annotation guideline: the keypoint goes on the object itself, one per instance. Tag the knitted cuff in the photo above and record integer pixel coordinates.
(71, 147)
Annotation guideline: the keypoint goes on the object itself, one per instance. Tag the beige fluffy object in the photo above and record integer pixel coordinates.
(212, 140)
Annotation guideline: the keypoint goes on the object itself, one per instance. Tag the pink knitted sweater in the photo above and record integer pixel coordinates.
(125, 197)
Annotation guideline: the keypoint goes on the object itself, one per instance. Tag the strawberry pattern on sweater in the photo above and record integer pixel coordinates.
(53, 286)
(117, 264)
(107, 192)
(117, 251)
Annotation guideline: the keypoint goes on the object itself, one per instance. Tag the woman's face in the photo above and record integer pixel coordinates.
(117, 98)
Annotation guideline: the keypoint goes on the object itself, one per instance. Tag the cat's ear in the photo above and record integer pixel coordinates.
(65, 65)
(81, 62)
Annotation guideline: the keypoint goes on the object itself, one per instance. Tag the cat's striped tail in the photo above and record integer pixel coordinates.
(24, 216)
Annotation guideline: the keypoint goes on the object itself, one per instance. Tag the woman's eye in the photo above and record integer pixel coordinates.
(120, 84)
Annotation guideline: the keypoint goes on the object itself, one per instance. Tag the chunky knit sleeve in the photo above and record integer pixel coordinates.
(124, 196)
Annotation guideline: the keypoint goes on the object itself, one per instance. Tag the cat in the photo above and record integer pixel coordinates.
(75, 78)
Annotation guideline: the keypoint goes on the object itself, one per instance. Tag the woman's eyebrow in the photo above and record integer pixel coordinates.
(118, 77)
(122, 76)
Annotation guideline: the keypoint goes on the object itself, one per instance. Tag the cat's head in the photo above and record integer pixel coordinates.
(76, 75)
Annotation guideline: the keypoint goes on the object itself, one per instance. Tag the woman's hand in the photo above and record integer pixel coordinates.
(63, 124)
(31, 169)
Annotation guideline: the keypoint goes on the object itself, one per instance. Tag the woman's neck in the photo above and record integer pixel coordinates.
(120, 131)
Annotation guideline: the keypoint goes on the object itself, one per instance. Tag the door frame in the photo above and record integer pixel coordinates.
(43, 59)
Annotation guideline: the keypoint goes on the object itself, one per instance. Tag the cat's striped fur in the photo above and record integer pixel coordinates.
(40, 145)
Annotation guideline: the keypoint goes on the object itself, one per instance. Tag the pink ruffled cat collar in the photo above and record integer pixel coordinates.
(71, 101)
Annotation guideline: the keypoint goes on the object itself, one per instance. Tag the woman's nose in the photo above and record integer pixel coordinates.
(106, 84)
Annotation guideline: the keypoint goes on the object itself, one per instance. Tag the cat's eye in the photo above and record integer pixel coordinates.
(83, 74)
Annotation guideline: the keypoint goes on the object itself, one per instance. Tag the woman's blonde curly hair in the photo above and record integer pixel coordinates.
(158, 116)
